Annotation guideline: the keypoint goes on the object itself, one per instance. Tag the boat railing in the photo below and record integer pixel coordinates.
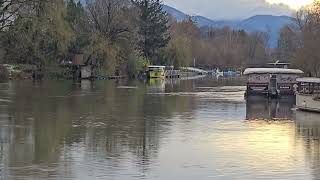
(309, 88)
(308, 97)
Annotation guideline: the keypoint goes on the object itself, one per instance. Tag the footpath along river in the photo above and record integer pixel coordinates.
(159, 130)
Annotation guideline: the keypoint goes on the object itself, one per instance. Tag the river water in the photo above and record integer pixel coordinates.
(187, 129)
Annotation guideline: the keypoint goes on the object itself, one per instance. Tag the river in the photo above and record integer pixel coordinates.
(159, 130)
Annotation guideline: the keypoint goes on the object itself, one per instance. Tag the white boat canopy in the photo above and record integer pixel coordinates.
(309, 80)
(156, 66)
(249, 71)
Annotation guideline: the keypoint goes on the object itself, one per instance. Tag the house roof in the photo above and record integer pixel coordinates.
(249, 71)
(282, 63)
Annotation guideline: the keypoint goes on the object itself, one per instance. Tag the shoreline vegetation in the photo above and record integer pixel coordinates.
(121, 37)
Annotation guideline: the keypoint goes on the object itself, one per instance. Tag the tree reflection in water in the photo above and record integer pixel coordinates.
(50, 123)
(308, 129)
(127, 129)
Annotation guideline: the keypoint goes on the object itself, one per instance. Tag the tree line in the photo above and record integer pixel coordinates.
(299, 41)
(209, 47)
(123, 36)
(119, 36)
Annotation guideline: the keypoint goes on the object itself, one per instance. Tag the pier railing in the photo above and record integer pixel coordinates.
(172, 73)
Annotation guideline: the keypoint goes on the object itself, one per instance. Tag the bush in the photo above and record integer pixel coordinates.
(4, 73)
(137, 66)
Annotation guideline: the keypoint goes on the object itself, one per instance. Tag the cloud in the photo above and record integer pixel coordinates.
(229, 9)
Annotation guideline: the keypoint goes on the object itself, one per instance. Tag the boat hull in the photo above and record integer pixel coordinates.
(307, 103)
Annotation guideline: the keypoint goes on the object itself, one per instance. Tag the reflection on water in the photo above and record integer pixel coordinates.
(308, 124)
(154, 130)
(156, 85)
(308, 129)
(269, 109)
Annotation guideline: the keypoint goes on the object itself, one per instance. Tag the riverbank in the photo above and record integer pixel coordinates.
(55, 72)
(16, 71)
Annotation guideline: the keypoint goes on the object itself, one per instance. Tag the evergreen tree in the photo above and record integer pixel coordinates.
(153, 28)
(76, 18)
(71, 12)
(75, 13)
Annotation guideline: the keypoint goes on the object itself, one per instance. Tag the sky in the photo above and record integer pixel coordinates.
(294, 4)
(237, 9)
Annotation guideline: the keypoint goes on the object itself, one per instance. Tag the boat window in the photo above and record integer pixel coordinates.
(309, 88)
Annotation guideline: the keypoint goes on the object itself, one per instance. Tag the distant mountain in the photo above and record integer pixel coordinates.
(180, 16)
(264, 23)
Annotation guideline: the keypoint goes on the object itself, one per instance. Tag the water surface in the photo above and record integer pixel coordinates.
(197, 129)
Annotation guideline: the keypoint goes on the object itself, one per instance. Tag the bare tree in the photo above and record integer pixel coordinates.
(308, 23)
(107, 17)
(8, 12)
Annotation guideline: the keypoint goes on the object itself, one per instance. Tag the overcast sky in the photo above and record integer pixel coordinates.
(229, 9)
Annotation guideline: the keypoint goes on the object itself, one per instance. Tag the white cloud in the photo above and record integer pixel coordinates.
(229, 9)
(295, 4)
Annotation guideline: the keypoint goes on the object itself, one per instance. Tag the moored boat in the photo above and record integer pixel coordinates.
(156, 72)
(272, 82)
(308, 95)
